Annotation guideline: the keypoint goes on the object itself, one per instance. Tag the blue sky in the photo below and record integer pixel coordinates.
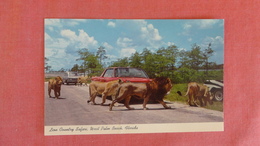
(122, 37)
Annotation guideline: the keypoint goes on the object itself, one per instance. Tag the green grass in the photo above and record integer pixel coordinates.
(175, 97)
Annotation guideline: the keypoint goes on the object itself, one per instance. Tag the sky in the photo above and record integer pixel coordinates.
(123, 37)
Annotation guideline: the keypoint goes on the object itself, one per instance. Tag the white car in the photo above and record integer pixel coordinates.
(216, 88)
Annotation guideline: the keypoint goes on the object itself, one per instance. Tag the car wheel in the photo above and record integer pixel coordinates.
(218, 95)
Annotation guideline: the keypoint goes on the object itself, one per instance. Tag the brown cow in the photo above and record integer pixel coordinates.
(55, 85)
(155, 90)
(103, 88)
(197, 91)
(79, 82)
(82, 81)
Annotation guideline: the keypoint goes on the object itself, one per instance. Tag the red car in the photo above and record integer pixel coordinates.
(124, 73)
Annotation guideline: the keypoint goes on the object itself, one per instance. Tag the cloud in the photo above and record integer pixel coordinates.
(138, 34)
(201, 24)
(71, 35)
(107, 46)
(182, 49)
(51, 24)
(86, 40)
(187, 26)
(170, 43)
(112, 57)
(217, 44)
(111, 24)
(124, 42)
(74, 22)
(62, 50)
(55, 25)
(190, 25)
(127, 52)
(150, 33)
(206, 23)
(47, 37)
(82, 40)
(54, 43)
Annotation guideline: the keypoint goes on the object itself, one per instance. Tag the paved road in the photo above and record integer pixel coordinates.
(72, 109)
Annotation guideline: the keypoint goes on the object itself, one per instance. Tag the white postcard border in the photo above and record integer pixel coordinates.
(133, 128)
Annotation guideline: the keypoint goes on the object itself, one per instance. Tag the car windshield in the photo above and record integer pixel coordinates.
(109, 73)
(130, 72)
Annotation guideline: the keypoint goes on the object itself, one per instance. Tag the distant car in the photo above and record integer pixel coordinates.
(124, 73)
(70, 81)
(216, 88)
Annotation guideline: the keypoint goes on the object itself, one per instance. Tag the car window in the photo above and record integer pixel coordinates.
(130, 72)
(109, 73)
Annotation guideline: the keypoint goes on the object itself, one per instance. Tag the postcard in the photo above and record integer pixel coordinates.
(126, 76)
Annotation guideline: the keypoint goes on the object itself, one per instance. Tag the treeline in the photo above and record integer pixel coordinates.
(181, 66)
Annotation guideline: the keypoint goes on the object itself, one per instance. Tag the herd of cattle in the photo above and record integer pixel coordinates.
(119, 90)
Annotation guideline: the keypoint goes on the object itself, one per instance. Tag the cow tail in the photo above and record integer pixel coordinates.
(187, 91)
(206, 91)
(198, 89)
(89, 94)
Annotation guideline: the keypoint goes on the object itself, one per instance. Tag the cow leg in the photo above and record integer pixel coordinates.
(127, 100)
(205, 101)
(59, 91)
(55, 92)
(92, 98)
(145, 102)
(114, 98)
(90, 95)
(104, 96)
(195, 101)
(201, 102)
(190, 99)
(164, 104)
(49, 91)
(111, 105)
(115, 101)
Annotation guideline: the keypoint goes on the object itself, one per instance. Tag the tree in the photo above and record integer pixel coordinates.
(135, 60)
(170, 53)
(144, 54)
(121, 63)
(101, 52)
(150, 65)
(75, 68)
(46, 67)
(183, 59)
(62, 70)
(196, 57)
(90, 61)
(206, 54)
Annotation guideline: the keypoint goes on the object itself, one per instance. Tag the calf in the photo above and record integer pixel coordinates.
(103, 88)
